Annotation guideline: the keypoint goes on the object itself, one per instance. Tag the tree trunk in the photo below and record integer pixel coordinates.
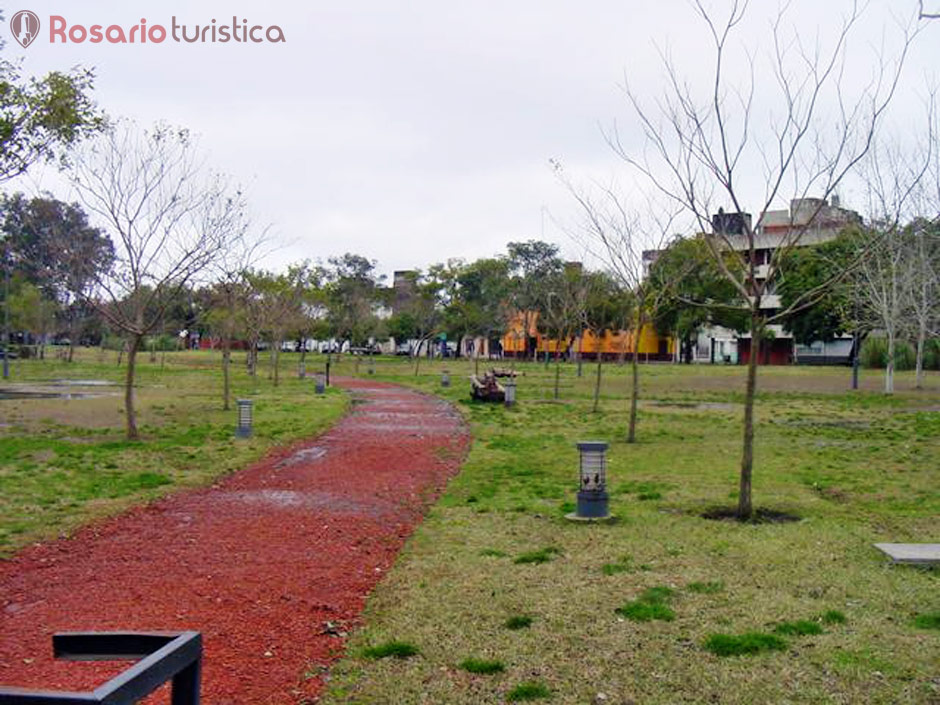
(889, 367)
(597, 381)
(745, 506)
(226, 376)
(73, 334)
(634, 397)
(129, 413)
(919, 367)
(276, 361)
(557, 372)
(578, 353)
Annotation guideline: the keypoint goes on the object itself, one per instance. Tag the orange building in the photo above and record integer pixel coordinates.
(612, 345)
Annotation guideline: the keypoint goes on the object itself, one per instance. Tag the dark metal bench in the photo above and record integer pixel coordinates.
(164, 656)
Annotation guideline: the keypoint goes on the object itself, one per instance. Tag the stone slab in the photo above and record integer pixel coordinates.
(916, 553)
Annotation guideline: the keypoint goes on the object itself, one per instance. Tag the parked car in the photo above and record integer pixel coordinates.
(366, 350)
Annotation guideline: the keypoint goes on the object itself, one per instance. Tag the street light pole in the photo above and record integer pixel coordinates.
(6, 313)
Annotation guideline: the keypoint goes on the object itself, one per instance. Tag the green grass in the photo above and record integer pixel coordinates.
(649, 606)
(801, 627)
(530, 690)
(64, 462)
(646, 612)
(927, 621)
(482, 666)
(493, 553)
(391, 649)
(542, 555)
(832, 617)
(706, 588)
(857, 467)
(747, 644)
(518, 622)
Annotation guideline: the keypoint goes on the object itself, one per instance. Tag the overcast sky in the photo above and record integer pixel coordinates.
(414, 131)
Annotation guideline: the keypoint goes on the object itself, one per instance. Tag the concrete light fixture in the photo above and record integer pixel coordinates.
(592, 475)
(320, 383)
(244, 430)
(445, 378)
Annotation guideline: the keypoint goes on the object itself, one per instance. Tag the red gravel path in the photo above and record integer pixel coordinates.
(258, 562)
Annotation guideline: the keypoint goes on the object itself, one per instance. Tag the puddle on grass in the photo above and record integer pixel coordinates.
(57, 389)
(696, 405)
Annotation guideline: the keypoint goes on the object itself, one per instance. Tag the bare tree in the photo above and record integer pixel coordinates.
(890, 277)
(703, 145)
(618, 235)
(170, 218)
(924, 280)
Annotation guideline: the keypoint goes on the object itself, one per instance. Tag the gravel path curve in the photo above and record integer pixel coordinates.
(272, 564)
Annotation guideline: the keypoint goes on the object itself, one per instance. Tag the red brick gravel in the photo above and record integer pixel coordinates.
(259, 563)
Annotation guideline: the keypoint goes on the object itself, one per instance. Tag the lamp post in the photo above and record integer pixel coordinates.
(509, 395)
(243, 430)
(6, 312)
(445, 378)
(592, 475)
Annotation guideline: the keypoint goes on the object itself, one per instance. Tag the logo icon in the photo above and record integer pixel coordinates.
(25, 27)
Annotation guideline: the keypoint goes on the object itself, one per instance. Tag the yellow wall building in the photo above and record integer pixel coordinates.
(610, 345)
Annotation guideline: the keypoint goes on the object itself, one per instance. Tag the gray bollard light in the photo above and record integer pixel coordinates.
(592, 475)
(510, 392)
(243, 430)
(445, 378)
(320, 385)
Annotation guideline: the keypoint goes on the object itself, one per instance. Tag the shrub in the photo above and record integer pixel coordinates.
(874, 354)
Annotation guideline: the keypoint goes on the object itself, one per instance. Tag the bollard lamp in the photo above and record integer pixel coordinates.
(592, 480)
(243, 429)
(510, 392)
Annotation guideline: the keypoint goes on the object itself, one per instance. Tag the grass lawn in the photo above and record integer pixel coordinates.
(664, 606)
(65, 461)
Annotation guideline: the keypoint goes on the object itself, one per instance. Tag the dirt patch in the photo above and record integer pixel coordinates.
(258, 563)
(760, 516)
